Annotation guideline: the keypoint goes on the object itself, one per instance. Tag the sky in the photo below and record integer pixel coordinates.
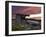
(25, 10)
